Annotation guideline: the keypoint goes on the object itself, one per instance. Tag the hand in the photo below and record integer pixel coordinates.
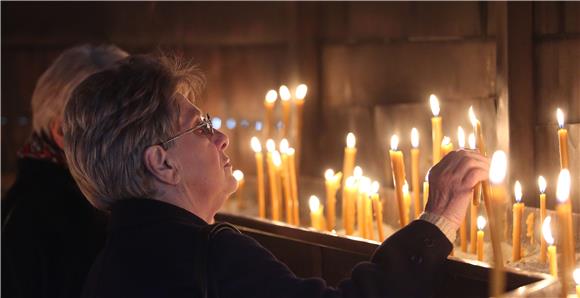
(451, 183)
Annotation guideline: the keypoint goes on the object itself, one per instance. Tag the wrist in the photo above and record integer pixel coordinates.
(446, 226)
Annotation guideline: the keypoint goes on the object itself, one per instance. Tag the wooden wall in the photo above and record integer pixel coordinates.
(370, 68)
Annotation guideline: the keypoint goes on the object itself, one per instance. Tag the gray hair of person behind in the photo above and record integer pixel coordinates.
(115, 114)
(55, 85)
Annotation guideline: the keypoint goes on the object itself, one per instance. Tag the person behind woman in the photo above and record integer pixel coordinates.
(137, 145)
(50, 233)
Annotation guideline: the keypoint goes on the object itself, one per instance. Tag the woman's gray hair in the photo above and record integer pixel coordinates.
(55, 85)
(115, 114)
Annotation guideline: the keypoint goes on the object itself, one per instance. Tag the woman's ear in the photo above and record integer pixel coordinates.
(160, 165)
(56, 133)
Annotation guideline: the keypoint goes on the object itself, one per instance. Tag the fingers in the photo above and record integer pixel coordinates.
(474, 176)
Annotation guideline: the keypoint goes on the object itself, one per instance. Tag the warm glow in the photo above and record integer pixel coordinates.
(375, 186)
(471, 141)
(284, 146)
(576, 276)
(394, 142)
(446, 141)
(472, 117)
(270, 145)
(350, 182)
(256, 146)
(414, 138)
(271, 96)
(290, 151)
(563, 187)
(547, 231)
(314, 203)
(498, 168)
(301, 91)
(276, 160)
(427, 176)
(434, 102)
(238, 175)
(481, 222)
(518, 191)
(365, 185)
(406, 187)
(542, 184)
(560, 117)
(357, 172)
(329, 174)
(350, 140)
(284, 93)
(460, 137)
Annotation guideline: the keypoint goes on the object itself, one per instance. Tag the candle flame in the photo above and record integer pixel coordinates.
(276, 160)
(414, 138)
(446, 141)
(350, 182)
(406, 187)
(481, 222)
(329, 174)
(434, 102)
(547, 231)
(301, 91)
(394, 142)
(357, 172)
(284, 93)
(471, 141)
(290, 151)
(563, 187)
(375, 186)
(284, 146)
(270, 145)
(256, 146)
(239, 175)
(542, 184)
(576, 276)
(560, 117)
(271, 96)
(518, 191)
(365, 185)
(498, 168)
(460, 137)
(350, 140)
(314, 203)
(472, 117)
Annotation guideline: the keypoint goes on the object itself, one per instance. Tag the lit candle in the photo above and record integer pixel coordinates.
(316, 217)
(366, 206)
(378, 207)
(349, 155)
(293, 185)
(480, 225)
(576, 276)
(331, 184)
(477, 189)
(286, 185)
(415, 171)
(276, 166)
(407, 201)
(463, 226)
(436, 128)
(425, 190)
(348, 198)
(239, 176)
(363, 190)
(398, 168)
(562, 139)
(474, 206)
(542, 185)
(547, 233)
(257, 148)
(496, 198)
(269, 103)
(285, 97)
(446, 146)
(565, 225)
(518, 211)
(300, 94)
(477, 130)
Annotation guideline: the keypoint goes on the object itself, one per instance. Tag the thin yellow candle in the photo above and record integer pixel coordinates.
(348, 198)
(378, 207)
(480, 226)
(518, 211)
(425, 190)
(436, 128)
(363, 190)
(496, 198)
(547, 233)
(290, 152)
(257, 148)
(565, 225)
(316, 210)
(474, 206)
(407, 201)
(398, 168)
(349, 155)
(285, 97)
(480, 144)
(543, 212)
(286, 185)
(562, 139)
(463, 226)
(530, 221)
(415, 171)
(576, 276)
(277, 166)
(300, 94)
(446, 146)
(269, 103)
(239, 176)
(477, 190)
(331, 184)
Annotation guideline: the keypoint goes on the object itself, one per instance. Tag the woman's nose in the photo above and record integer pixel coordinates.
(221, 140)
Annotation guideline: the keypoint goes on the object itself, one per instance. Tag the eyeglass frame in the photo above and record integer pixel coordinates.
(205, 123)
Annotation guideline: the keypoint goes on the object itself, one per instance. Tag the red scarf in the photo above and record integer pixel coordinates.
(40, 147)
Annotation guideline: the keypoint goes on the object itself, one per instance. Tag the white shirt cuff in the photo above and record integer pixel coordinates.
(447, 227)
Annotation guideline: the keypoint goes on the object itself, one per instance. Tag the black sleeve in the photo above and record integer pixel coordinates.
(241, 267)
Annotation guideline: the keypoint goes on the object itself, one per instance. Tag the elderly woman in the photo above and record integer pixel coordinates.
(137, 145)
(50, 233)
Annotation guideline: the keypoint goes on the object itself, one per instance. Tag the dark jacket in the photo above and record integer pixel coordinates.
(152, 248)
(50, 233)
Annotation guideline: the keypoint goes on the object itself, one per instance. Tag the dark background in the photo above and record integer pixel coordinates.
(370, 68)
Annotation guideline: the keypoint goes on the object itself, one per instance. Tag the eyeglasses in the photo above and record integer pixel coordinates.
(204, 128)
